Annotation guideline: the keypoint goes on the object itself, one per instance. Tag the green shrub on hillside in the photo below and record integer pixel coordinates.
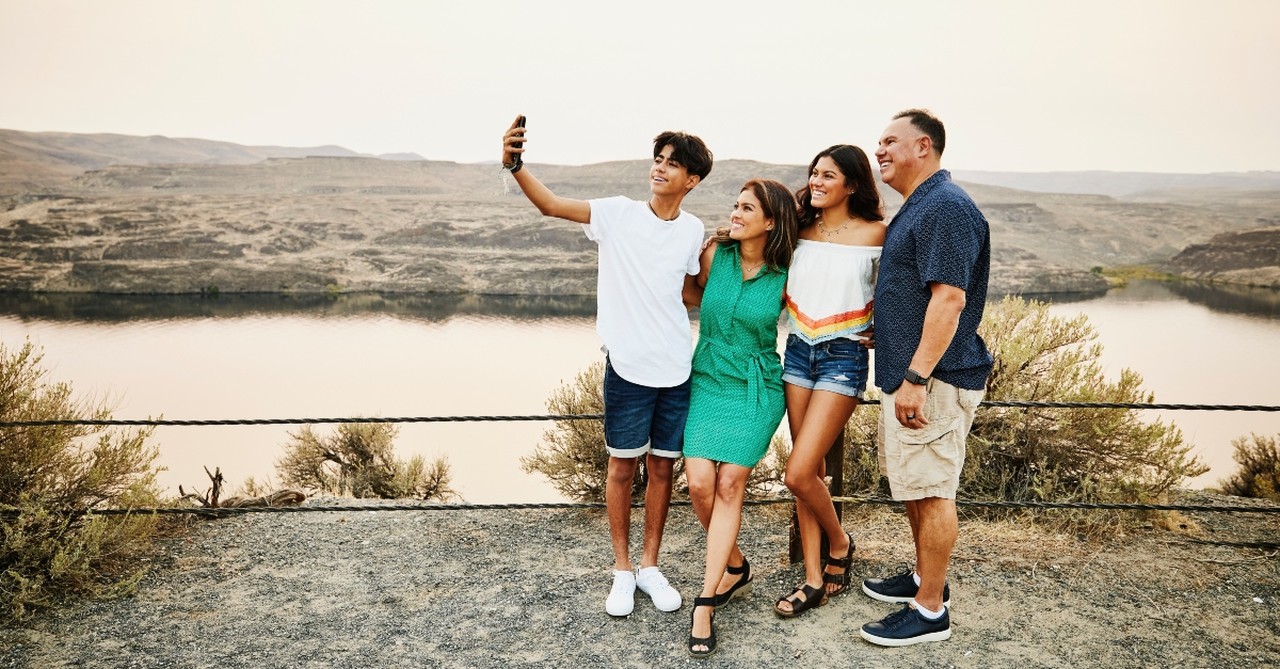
(1258, 474)
(358, 460)
(52, 478)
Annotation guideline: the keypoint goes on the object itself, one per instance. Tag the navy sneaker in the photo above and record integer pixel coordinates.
(899, 589)
(905, 627)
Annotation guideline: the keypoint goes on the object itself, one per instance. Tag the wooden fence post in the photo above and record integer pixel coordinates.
(835, 470)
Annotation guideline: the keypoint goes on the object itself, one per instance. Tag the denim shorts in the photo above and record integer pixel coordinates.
(641, 419)
(836, 365)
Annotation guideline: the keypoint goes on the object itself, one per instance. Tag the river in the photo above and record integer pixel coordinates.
(257, 357)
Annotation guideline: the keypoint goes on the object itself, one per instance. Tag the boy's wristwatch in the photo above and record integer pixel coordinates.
(912, 376)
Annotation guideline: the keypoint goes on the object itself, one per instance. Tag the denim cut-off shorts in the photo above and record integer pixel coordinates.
(836, 365)
(640, 419)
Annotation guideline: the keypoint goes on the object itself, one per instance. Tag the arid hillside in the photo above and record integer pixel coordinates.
(114, 214)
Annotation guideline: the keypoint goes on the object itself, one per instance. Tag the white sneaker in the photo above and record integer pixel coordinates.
(654, 584)
(622, 597)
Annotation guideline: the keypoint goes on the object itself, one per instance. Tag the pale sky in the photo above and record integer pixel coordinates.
(1022, 85)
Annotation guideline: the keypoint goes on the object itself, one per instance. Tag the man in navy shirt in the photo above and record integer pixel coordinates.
(931, 365)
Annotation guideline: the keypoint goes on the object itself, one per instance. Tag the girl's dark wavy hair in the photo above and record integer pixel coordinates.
(864, 203)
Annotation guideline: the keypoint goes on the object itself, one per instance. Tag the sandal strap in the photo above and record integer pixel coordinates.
(744, 568)
(807, 590)
(844, 562)
(704, 601)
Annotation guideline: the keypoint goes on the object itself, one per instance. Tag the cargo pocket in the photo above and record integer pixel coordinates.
(932, 455)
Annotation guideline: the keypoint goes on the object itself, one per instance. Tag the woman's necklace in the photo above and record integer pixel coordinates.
(831, 233)
(748, 270)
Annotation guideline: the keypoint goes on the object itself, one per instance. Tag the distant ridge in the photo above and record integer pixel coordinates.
(29, 159)
(95, 151)
(1120, 184)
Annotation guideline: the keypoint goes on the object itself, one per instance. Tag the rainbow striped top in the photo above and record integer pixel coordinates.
(830, 290)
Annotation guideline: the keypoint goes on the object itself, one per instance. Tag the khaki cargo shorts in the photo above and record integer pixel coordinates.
(927, 462)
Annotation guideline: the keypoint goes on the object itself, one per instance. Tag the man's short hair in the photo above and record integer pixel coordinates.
(686, 149)
(927, 123)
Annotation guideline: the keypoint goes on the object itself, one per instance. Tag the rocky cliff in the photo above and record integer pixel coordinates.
(227, 222)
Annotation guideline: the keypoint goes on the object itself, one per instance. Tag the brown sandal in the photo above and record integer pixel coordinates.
(813, 598)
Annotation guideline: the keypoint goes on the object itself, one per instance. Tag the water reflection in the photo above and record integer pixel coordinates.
(1261, 302)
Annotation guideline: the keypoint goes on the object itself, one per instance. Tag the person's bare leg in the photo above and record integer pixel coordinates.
(722, 537)
(824, 420)
(617, 498)
(939, 526)
(657, 500)
(700, 473)
(913, 518)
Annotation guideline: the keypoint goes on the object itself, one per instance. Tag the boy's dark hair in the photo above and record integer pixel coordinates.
(686, 149)
(856, 168)
(927, 123)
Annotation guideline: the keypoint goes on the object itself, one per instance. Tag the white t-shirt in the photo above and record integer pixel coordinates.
(640, 315)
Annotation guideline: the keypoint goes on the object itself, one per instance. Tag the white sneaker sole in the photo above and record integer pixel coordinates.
(667, 609)
(941, 635)
(619, 610)
(892, 600)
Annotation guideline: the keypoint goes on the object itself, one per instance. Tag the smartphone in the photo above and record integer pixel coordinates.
(519, 124)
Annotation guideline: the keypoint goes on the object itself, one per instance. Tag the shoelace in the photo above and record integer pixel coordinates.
(893, 583)
(896, 618)
(655, 582)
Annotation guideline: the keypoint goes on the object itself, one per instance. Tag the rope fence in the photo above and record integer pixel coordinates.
(435, 506)
(586, 416)
(212, 512)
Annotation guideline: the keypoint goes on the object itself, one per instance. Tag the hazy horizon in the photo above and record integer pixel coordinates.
(1160, 86)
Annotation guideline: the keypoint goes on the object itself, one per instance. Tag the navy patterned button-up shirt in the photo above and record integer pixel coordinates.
(938, 235)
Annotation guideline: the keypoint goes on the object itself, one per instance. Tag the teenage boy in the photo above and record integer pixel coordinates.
(647, 249)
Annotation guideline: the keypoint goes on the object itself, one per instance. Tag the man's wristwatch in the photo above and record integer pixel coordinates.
(912, 376)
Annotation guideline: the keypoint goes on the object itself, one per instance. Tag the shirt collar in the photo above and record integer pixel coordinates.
(932, 182)
(939, 177)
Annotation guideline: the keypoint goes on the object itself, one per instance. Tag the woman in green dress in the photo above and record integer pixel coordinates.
(736, 401)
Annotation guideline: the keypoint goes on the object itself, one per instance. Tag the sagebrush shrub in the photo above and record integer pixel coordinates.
(52, 478)
(1258, 470)
(358, 460)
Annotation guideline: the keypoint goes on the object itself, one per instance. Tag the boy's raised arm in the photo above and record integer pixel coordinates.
(550, 204)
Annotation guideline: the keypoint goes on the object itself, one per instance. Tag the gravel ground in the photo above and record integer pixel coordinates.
(501, 588)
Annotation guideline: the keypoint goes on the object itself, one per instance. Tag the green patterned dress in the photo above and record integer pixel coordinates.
(736, 401)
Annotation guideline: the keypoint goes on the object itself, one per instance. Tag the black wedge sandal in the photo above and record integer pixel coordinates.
(841, 579)
(710, 641)
(813, 598)
(741, 587)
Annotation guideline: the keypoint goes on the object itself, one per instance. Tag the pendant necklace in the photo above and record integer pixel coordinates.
(831, 233)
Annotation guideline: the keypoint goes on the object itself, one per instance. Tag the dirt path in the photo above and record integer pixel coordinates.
(526, 588)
